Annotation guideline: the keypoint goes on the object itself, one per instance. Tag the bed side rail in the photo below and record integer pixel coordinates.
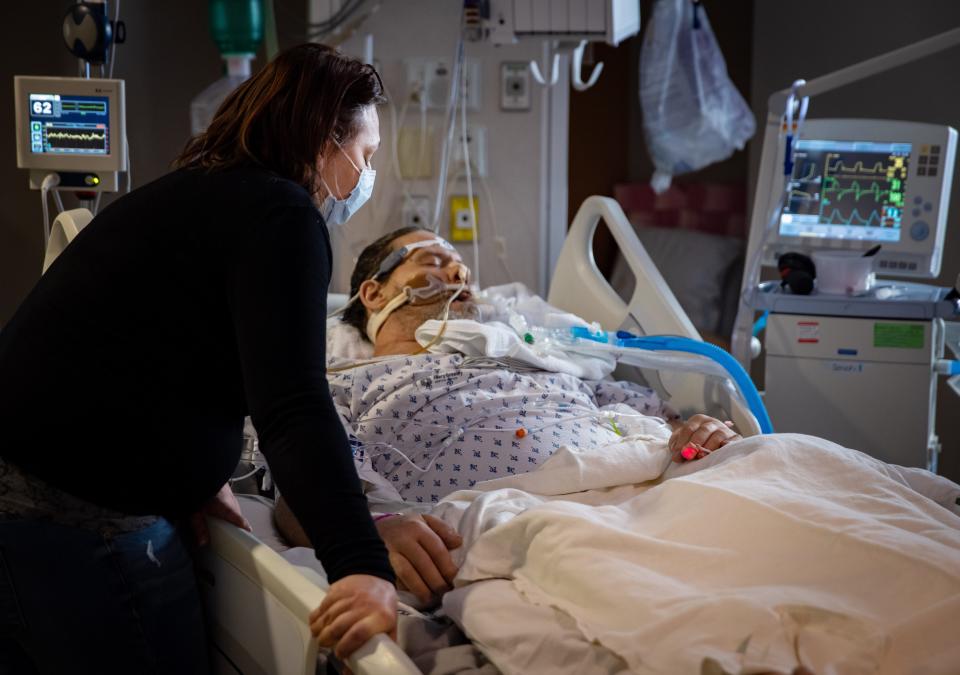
(259, 604)
(579, 287)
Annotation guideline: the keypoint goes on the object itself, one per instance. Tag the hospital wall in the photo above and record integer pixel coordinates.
(516, 146)
(819, 36)
(169, 58)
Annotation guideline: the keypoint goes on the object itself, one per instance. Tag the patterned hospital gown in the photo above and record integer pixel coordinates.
(432, 425)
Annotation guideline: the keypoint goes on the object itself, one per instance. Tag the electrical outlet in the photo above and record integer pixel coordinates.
(430, 79)
(416, 211)
(461, 225)
(515, 85)
(476, 146)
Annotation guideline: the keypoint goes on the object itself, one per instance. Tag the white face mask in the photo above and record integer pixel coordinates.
(335, 211)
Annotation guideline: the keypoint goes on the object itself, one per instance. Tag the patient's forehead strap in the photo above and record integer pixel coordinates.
(392, 261)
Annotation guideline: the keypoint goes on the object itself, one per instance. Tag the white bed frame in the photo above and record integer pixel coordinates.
(579, 287)
(257, 603)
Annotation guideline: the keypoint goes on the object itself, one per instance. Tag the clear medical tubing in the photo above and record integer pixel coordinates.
(714, 361)
(736, 372)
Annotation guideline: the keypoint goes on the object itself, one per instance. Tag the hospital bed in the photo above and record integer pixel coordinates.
(257, 602)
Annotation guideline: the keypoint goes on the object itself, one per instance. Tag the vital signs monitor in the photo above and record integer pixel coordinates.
(73, 127)
(858, 183)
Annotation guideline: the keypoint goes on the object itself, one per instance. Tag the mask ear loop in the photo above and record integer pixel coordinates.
(352, 163)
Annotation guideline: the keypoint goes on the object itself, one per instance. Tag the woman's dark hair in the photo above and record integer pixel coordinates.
(285, 116)
(367, 265)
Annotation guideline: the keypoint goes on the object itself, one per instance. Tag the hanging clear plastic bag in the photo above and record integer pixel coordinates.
(692, 114)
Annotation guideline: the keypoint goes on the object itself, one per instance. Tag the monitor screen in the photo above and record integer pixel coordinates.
(62, 124)
(850, 190)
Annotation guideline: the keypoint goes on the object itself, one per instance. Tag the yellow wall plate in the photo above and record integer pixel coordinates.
(461, 229)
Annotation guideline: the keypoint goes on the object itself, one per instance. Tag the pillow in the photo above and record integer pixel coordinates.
(345, 342)
(695, 265)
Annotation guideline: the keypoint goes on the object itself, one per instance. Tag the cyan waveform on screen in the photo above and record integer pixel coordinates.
(837, 218)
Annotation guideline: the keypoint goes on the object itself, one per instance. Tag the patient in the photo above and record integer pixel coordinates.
(430, 424)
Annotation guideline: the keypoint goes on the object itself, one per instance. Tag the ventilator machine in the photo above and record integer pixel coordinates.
(857, 359)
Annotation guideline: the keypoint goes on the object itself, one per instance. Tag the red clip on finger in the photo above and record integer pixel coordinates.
(694, 451)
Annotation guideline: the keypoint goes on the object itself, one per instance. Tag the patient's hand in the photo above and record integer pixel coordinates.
(707, 432)
(419, 548)
(223, 505)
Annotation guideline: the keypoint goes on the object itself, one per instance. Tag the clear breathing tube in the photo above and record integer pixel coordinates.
(434, 287)
(458, 431)
(446, 309)
(390, 263)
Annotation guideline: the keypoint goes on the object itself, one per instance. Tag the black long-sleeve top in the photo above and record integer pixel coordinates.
(196, 299)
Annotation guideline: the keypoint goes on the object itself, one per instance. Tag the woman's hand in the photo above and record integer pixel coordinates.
(704, 431)
(419, 554)
(223, 505)
(356, 608)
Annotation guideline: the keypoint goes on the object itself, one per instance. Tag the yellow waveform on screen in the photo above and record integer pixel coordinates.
(77, 137)
(840, 167)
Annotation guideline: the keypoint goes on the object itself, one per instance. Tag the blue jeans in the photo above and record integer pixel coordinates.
(74, 601)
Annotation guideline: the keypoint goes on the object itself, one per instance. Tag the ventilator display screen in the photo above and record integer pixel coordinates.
(846, 190)
(69, 125)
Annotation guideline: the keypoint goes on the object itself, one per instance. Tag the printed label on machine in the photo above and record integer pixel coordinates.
(898, 335)
(808, 332)
(845, 367)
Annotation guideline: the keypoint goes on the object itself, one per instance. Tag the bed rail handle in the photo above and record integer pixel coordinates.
(583, 290)
(261, 564)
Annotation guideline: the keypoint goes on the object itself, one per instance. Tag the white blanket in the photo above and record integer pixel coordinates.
(774, 552)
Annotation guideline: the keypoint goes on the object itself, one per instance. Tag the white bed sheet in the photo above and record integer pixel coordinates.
(774, 552)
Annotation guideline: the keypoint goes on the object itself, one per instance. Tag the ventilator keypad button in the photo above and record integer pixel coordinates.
(920, 230)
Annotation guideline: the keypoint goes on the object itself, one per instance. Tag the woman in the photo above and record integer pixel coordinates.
(126, 374)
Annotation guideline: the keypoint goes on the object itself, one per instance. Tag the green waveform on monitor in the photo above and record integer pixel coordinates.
(76, 106)
(831, 184)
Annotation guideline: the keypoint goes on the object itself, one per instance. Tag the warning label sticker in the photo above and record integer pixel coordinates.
(808, 332)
